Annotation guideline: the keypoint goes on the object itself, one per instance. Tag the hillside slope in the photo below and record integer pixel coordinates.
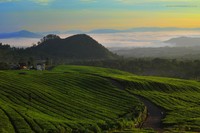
(180, 98)
(32, 101)
(83, 99)
(57, 50)
(79, 46)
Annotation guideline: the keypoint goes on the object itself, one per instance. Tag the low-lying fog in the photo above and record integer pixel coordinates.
(133, 39)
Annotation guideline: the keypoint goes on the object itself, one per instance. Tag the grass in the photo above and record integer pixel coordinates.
(63, 102)
(180, 98)
(82, 99)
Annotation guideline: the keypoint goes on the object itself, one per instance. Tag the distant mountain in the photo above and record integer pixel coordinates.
(143, 29)
(62, 32)
(79, 46)
(73, 32)
(153, 29)
(99, 31)
(20, 34)
(184, 41)
(49, 32)
(159, 29)
(137, 29)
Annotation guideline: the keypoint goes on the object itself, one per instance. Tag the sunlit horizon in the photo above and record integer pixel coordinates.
(51, 15)
(110, 40)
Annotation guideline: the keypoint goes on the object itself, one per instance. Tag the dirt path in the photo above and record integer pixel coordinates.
(154, 116)
(155, 113)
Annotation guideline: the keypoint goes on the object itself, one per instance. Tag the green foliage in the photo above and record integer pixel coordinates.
(180, 98)
(49, 37)
(186, 69)
(4, 66)
(62, 102)
(83, 99)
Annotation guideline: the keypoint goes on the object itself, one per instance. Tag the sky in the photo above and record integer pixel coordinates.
(62, 15)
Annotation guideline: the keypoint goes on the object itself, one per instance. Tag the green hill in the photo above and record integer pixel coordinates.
(34, 101)
(57, 50)
(180, 98)
(79, 46)
(83, 99)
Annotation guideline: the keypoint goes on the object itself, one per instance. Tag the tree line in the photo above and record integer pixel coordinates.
(185, 69)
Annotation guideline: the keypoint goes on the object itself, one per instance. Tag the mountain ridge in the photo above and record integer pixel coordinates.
(101, 31)
(58, 50)
(80, 46)
(20, 34)
(184, 41)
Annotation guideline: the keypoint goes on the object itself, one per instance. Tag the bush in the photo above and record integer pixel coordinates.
(4, 66)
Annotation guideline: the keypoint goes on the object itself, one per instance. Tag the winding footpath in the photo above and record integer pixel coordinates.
(155, 114)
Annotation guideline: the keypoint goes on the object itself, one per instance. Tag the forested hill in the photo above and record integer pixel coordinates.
(79, 46)
(76, 47)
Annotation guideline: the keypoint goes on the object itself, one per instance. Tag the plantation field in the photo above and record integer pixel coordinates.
(180, 98)
(82, 99)
(32, 101)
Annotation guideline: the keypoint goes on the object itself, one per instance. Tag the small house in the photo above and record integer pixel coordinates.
(41, 65)
(22, 66)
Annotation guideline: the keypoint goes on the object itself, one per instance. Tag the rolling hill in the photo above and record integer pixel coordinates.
(184, 41)
(63, 102)
(84, 99)
(179, 98)
(79, 46)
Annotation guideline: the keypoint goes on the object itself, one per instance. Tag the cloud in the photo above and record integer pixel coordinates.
(126, 1)
(164, 4)
(89, 1)
(156, 1)
(1, 1)
(41, 2)
(182, 6)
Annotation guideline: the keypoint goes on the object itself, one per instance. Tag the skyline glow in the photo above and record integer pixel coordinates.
(51, 15)
(118, 40)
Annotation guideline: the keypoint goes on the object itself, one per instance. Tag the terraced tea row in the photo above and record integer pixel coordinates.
(180, 98)
(83, 99)
(63, 102)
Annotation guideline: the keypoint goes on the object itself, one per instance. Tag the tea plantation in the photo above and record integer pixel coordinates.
(83, 99)
(180, 98)
(32, 101)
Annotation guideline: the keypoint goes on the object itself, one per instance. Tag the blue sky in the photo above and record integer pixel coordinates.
(51, 15)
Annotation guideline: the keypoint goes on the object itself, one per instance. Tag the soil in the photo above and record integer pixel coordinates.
(155, 114)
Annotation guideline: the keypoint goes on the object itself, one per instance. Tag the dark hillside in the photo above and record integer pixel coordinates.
(57, 50)
(75, 47)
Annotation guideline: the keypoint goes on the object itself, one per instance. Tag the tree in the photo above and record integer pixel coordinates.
(4, 66)
(49, 37)
(4, 46)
